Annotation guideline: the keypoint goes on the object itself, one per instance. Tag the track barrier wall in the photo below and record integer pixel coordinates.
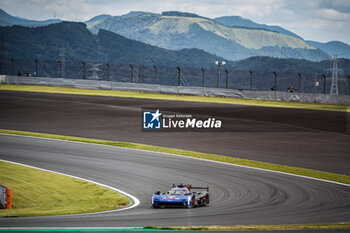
(182, 90)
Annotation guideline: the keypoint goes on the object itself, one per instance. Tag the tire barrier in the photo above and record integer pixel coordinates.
(6, 197)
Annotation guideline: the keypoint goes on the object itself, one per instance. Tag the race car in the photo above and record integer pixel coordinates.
(181, 196)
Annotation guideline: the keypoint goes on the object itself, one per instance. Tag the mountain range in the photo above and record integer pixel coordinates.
(76, 43)
(237, 21)
(231, 37)
(178, 30)
(8, 20)
(333, 47)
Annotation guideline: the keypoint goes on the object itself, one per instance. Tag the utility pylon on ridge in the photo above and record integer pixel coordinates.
(334, 87)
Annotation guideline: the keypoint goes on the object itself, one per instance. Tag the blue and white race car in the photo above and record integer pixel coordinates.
(181, 196)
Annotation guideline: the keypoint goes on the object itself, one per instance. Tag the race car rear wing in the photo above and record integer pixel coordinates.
(204, 188)
(189, 187)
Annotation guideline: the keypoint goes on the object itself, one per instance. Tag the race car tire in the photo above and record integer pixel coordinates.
(191, 204)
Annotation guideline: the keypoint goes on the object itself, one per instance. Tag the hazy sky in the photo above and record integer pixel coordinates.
(319, 20)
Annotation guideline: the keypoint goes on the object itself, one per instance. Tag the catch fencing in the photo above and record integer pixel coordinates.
(183, 90)
(178, 76)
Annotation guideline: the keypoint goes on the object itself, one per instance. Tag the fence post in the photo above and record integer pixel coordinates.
(59, 69)
(155, 74)
(131, 73)
(178, 76)
(107, 65)
(202, 69)
(218, 80)
(275, 80)
(36, 68)
(299, 75)
(84, 66)
(12, 67)
(324, 83)
(251, 80)
(226, 71)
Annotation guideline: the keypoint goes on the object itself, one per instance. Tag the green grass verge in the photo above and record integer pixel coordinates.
(260, 227)
(250, 163)
(40, 193)
(192, 98)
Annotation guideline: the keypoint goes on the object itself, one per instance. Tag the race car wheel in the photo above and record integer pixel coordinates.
(190, 203)
(205, 202)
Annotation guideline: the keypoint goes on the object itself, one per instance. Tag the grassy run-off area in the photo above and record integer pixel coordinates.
(192, 98)
(41, 193)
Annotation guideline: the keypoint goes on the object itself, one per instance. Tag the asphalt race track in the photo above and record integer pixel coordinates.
(238, 195)
(302, 138)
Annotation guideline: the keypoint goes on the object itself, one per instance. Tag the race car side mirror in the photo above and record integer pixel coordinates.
(157, 193)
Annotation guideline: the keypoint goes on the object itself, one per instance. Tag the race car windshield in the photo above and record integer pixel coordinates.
(178, 192)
